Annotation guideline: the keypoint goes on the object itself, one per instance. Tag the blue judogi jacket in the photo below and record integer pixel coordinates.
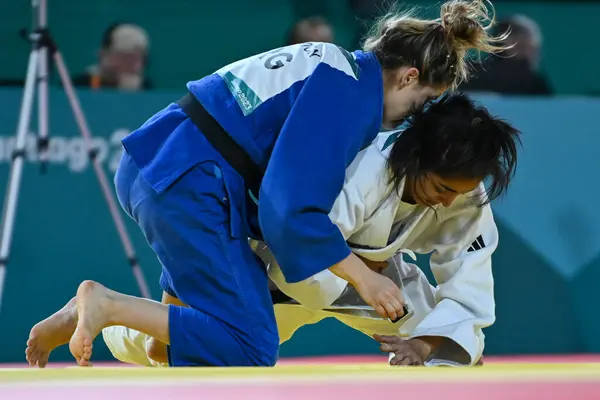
(302, 112)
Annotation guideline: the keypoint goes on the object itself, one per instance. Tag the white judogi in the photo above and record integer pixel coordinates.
(379, 227)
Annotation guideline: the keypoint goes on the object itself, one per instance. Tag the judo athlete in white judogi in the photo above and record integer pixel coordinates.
(451, 220)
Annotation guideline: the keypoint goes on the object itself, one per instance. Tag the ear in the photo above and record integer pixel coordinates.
(409, 76)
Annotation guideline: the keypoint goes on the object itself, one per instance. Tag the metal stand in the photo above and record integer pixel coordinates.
(37, 69)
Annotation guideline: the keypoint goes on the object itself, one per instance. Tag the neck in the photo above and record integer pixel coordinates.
(407, 193)
(388, 84)
(389, 81)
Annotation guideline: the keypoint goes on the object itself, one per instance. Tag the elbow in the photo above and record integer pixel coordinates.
(490, 319)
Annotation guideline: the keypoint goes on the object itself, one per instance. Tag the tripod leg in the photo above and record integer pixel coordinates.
(42, 91)
(16, 168)
(101, 175)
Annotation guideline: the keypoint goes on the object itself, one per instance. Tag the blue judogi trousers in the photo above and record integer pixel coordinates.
(196, 229)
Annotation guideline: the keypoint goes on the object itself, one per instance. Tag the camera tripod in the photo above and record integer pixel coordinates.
(43, 47)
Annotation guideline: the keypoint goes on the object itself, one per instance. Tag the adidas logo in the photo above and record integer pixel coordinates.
(478, 244)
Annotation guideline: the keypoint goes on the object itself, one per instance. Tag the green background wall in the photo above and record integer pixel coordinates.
(191, 37)
(546, 268)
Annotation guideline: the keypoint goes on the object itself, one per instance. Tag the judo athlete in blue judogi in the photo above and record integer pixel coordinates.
(259, 149)
(192, 205)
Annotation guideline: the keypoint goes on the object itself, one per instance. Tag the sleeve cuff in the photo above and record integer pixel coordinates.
(463, 345)
(317, 292)
(298, 267)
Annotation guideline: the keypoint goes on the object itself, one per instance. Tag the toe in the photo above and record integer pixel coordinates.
(31, 355)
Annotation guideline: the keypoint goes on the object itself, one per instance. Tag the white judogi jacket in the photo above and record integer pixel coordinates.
(461, 239)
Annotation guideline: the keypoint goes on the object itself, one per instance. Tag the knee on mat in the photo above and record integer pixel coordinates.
(269, 355)
(157, 351)
(257, 352)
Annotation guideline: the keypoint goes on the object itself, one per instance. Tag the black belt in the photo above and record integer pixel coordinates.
(232, 152)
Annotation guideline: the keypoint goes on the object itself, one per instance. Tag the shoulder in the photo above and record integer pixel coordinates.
(299, 60)
(263, 76)
(373, 157)
(340, 59)
(304, 58)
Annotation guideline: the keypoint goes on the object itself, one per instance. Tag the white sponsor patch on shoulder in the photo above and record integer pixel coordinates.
(256, 79)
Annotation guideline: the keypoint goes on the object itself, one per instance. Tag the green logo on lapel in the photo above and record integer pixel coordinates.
(391, 139)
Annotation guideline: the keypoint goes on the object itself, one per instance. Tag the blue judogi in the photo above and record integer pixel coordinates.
(303, 112)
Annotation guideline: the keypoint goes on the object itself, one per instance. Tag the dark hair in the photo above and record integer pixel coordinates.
(454, 138)
(437, 48)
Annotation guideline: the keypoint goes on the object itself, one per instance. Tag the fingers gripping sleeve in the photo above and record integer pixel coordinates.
(321, 136)
(465, 295)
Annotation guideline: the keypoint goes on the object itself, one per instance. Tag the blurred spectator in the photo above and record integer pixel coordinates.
(515, 71)
(121, 62)
(312, 29)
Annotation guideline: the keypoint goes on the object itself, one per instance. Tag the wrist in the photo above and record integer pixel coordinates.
(425, 345)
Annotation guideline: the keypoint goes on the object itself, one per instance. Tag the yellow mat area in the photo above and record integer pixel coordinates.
(503, 372)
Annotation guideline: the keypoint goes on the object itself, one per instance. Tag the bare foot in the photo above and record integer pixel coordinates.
(50, 333)
(93, 303)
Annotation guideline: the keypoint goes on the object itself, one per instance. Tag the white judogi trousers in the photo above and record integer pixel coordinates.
(130, 346)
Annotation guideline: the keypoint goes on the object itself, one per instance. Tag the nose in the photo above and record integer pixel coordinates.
(449, 199)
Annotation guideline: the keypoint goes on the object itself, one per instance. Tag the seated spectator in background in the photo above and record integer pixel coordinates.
(312, 29)
(121, 62)
(515, 71)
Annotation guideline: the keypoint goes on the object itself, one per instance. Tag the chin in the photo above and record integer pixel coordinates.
(394, 124)
(388, 126)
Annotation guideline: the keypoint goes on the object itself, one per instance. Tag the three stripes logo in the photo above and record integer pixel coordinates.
(478, 244)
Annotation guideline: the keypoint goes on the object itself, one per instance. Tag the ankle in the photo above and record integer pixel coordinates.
(107, 304)
(113, 307)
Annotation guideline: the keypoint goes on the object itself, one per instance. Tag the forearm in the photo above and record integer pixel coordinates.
(303, 243)
(351, 269)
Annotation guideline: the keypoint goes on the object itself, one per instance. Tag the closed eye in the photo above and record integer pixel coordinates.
(447, 189)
